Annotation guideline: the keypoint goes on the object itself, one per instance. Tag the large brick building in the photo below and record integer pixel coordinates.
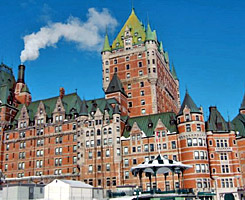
(98, 141)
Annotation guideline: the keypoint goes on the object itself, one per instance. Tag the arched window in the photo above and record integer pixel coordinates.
(110, 130)
(105, 131)
(98, 131)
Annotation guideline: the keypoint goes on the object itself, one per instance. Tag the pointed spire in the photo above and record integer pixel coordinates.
(161, 47)
(166, 56)
(149, 33)
(115, 85)
(243, 103)
(116, 109)
(106, 46)
(84, 109)
(173, 72)
(189, 103)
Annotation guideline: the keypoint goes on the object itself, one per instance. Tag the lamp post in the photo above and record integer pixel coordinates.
(137, 192)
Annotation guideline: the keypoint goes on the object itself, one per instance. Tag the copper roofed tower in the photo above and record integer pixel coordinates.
(142, 65)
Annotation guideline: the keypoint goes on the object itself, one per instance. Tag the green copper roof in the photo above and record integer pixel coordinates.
(166, 56)
(167, 118)
(106, 46)
(25, 89)
(189, 103)
(150, 35)
(239, 124)
(243, 103)
(7, 82)
(83, 109)
(116, 109)
(72, 104)
(173, 72)
(216, 122)
(136, 29)
(115, 85)
(161, 47)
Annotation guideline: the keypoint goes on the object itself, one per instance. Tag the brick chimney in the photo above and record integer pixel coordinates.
(62, 92)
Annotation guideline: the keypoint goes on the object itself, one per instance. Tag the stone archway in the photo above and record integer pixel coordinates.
(229, 196)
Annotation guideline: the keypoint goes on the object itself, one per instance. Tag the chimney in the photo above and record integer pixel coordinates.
(21, 74)
(62, 92)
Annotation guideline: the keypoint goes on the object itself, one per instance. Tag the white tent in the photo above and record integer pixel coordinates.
(68, 190)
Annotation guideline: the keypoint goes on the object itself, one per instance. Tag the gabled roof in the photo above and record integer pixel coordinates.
(167, 118)
(239, 124)
(72, 104)
(77, 184)
(243, 103)
(115, 85)
(216, 122)
(189, 103)
(135, 26)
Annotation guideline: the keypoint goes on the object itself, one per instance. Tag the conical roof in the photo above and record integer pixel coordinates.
(150, 35)
(115, 85)
(83, 109)
(161, 47)
(106, 46)
(189, 103)
(173, 72)
(243, 103)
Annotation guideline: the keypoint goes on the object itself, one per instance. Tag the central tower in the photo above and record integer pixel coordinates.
(143, 67)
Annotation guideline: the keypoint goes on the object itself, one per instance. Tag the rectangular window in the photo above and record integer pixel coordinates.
(173, 145)
(146, 148)
(126, 175)
(196, 155)
(151, 147)
(198, 168)
(188, 128)
(198, 127)
(194, 141)
(125, 150)
(126, 163)
(140, 64)
(189, 142)
(107, 153)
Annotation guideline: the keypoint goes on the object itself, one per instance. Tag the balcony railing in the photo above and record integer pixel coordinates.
(223, 149)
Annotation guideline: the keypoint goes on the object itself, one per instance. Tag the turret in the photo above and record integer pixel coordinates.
(192, 139)
(242, 107)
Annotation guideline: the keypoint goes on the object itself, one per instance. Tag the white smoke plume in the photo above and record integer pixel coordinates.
(87, 35)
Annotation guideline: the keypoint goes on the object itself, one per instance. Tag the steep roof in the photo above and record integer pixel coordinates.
(173, 72)
(189, 103)
(83, 108)
(216, 122)
(243, 103)
(136, 30)
(239, 124)
(106, 46)
(25, 89)
(72, 104)
(7, 82)
(150, 35)
(167, 118)
(115, 85)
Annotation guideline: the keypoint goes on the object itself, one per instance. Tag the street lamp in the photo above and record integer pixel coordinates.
(137, 192)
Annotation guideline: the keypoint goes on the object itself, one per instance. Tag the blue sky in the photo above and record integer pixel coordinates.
(205, 40)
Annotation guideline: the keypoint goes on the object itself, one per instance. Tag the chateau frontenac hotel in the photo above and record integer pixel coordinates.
(98, 141)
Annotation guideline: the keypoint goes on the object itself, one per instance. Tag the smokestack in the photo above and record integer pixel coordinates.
(21, 74)
(62, 92)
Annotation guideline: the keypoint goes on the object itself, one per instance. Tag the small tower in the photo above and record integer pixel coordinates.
(116, 90)
(22, 93)
(192, 141)
(106, 62)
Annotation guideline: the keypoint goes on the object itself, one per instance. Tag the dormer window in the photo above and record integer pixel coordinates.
(139, 39)
(41, 111)
(136, 33)
(115, 61)
(59, 108)
(187, 117)
(117, 44)
(127, 33)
